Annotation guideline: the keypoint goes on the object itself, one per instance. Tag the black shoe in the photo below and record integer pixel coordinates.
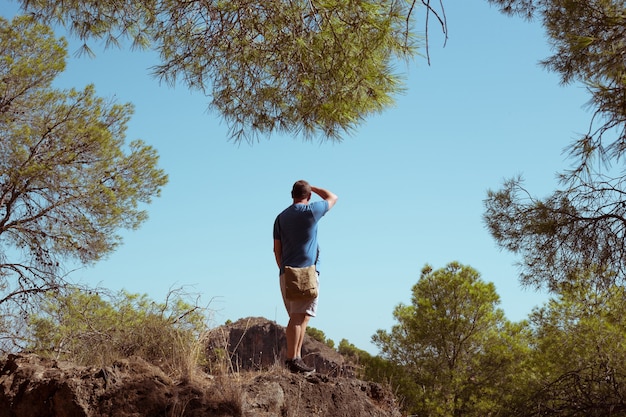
(297, 366)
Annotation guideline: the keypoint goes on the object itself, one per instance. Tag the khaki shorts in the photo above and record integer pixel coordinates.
(308, 307)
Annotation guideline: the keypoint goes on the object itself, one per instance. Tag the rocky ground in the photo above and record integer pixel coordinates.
(255, 343)
(255, 385)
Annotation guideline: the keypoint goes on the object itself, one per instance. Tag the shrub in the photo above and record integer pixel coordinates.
(320, 336)
(90, 329)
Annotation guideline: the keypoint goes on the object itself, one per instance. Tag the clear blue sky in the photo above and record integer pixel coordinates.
(411, 181)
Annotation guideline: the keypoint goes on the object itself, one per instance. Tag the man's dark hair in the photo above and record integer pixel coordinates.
(301, 190)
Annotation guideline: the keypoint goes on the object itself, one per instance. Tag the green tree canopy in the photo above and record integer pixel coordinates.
(578, 357)
(315, 67)
(455, 344)
(68, 183)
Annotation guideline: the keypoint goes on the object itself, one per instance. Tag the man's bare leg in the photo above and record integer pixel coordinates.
(296, 329)
(301, 333)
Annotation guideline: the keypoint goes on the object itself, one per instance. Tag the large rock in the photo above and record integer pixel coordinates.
(31, 386)
(255, 343)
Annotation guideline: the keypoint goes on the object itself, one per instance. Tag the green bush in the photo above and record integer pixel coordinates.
(320, 336)
(85, 328)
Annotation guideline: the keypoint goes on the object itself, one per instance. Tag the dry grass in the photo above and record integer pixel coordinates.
(225, 393)
(186, 359)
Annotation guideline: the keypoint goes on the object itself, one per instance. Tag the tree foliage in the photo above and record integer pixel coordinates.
(588, 43)
(582, 224)
(453, 354)
(381, 370)
(578, 357)
(579, 228)
(319, 335)
(68, 183)
(572, 241)
(460, 353)
(315, 67)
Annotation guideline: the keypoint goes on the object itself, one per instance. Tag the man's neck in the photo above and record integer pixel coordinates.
(305, 201)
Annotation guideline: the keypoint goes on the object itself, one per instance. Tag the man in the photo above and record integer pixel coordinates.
(295, 244)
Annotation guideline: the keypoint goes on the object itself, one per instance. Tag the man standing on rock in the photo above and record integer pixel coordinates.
(295, 245)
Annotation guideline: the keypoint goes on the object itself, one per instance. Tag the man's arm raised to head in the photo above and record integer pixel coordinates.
(326, 195)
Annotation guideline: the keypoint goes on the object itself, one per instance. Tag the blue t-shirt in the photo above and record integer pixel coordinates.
(296, 228)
